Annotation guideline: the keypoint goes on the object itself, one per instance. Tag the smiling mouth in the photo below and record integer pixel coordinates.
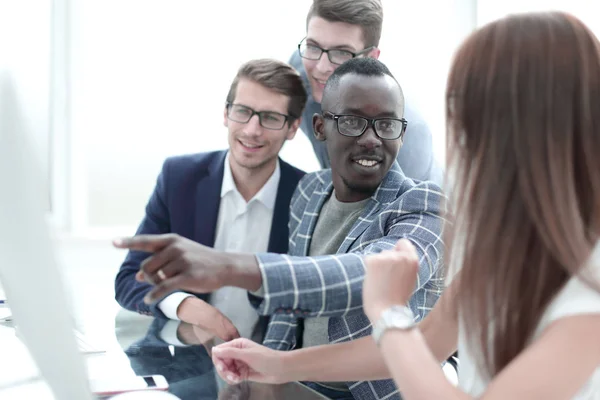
(320, 81)
(250, 145)
(367, 163)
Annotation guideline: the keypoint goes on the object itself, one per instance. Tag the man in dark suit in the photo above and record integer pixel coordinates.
(236, 200)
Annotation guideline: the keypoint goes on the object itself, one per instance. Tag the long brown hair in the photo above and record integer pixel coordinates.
(523, 111)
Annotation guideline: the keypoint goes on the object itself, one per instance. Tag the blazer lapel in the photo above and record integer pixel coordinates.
(208, 197)
(279, 236)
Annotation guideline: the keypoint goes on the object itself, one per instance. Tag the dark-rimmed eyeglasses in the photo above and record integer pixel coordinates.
(336, 56)
(267, 119)
(354, 126)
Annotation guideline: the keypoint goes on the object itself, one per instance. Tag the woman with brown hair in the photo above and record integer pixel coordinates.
(523, 302)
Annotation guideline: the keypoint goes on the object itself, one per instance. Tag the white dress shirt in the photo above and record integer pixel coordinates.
(242, 227)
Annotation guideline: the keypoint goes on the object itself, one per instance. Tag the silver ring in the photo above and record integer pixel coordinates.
(161, 274)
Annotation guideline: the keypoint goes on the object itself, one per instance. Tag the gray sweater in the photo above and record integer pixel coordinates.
(335, 221)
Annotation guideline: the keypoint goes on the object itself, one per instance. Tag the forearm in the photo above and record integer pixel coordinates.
(413, 357)
(357, 360)
(440, 328)
(414, 368)
(361, 359)
(324, 286)
(192, 310)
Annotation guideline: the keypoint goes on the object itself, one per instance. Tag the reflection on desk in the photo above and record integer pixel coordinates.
(180, 352)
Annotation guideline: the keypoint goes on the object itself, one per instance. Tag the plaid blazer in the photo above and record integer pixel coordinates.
(296, 286)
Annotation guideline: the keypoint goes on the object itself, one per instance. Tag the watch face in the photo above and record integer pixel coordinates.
(395, 310)
(399, 316)
(400, 309)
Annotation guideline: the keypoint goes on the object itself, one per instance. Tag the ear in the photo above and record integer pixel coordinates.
(374, 53)
(225, 117)
(319, 127)
(291, 133)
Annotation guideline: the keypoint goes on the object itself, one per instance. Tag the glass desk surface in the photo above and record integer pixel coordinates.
(117, 343)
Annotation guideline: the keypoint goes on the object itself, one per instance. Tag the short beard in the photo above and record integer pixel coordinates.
(366, 188)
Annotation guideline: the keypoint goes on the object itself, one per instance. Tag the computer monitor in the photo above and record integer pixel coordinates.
(31, 279)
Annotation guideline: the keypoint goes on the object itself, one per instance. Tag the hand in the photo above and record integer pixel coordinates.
(207, 321)
(180, 263)
(242, 359)
(390, 278)
(192, 335)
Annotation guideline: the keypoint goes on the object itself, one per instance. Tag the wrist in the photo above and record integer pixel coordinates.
(189, 310)
(375, 312)
(396, 317)
(289, 366)
(396, 338)
(242, 271)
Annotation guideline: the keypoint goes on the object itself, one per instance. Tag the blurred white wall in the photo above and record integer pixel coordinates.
(418, 41)
(25, 57)
(149, 78)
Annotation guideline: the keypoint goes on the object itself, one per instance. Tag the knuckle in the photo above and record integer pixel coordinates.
(178, 248)
(186, 258)
(144, 263)
(173, 238)
(413, 259)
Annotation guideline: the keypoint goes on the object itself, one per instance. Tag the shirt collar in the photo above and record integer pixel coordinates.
(266, 195)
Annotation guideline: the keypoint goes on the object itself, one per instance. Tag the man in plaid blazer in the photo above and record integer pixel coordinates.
(362, 126)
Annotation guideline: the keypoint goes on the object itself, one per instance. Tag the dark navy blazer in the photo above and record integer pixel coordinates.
(186, 201)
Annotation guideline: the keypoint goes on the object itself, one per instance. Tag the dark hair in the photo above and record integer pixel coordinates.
(277, 76)
(368, 14)
(523, 96)
(361, 66)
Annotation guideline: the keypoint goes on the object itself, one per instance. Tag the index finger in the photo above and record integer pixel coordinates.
(147, 243)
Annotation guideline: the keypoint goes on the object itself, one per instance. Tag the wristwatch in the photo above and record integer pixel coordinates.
(395, 317)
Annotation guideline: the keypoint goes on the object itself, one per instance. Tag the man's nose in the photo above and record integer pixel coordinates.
(369, 139)
(253, 126)
(325, 66)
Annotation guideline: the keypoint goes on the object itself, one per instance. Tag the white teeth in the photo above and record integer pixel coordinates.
(367, 163)
(251, 146)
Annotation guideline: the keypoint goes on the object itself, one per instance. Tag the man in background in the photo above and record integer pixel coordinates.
(337, 31)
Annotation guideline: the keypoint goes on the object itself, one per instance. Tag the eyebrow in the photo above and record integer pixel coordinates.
(261, 111)
(340, 47)
(359, 113)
